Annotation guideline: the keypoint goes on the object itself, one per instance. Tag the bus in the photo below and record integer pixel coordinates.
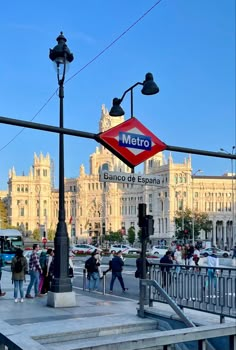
(10, 240)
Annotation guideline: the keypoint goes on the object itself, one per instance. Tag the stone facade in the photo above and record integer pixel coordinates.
(93, 207)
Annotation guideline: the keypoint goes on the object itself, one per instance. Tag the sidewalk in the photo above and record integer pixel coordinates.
(34, 318)
(32, 323)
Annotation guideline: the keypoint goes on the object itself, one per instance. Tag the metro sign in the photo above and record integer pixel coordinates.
(131, 142)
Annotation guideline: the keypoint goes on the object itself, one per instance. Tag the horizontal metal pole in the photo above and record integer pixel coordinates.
(88, 135)
(50, 128)
(200, 152)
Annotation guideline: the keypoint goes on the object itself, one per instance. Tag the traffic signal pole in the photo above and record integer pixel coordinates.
(146, 223)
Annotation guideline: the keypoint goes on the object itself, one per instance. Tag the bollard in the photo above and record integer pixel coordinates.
(104, 284)
(84, 279)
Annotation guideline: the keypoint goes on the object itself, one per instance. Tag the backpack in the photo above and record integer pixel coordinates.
(18, 266)
(88, 264)
(43, 260)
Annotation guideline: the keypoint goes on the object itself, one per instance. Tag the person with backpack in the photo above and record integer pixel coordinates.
(91, 266)
(42, 279)
(19, 270)
(1, 265)
(34, 271)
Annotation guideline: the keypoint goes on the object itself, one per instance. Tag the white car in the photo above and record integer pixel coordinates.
(158, 250)
(84, 249)
(219, 252)
(125, 249)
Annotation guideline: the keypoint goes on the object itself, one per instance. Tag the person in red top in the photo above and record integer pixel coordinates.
(34, 272)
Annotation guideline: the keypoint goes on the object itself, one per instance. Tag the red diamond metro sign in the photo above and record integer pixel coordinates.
(131, 142)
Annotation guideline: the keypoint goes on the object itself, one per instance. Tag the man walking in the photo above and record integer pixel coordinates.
(116, 267)
(1, 265)
(34, 272)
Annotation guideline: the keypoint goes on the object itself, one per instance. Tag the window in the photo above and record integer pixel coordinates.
(22, 211)
(45, 173)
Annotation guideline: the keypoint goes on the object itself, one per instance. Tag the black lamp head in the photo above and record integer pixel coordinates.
(61, 54)
(149, 86)
(116, 109)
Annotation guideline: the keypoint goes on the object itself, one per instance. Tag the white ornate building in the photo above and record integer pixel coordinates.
(94, 207)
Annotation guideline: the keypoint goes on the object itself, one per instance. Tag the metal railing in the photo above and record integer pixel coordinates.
(200, 288)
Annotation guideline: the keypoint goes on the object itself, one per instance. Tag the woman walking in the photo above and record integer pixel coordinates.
(19, 269)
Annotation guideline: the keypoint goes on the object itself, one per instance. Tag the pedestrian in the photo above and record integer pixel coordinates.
(50, 268)
(1, 265)
(196, 256)
(139, 266)
(42, 277)
(212, 272)
(178, 258)
(91, 266)
(34, 272)
(109, 263)
(234, 256)
(117, 264)
(166, 263)
(19, 269)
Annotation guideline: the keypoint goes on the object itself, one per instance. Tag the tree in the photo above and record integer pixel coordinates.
(36, 234)
(131, 235)
(114, 237)
(3, 215)
(51, 234)
(184, 220)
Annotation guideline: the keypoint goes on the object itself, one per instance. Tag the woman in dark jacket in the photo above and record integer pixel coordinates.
(19, 269)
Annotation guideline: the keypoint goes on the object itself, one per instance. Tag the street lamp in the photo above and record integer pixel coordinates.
(233, 152)
(61, 284)
(193, 214)
(149, 88)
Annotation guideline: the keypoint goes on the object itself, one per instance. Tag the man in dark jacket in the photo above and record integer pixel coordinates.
(166, 263)
(1, 265)
(91, 266)
(116, 267)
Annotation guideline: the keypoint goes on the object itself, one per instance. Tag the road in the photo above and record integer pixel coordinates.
(130, 281)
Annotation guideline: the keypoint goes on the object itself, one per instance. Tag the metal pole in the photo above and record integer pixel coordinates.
(61, 283)
(232, 171)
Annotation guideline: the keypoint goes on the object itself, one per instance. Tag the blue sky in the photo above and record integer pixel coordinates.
(188, 45)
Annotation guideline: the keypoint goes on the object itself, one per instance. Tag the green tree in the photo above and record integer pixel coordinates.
(184, 220)
(131, 235)
(36, 234)
(3, 215)
(114, 237)
(51, 234)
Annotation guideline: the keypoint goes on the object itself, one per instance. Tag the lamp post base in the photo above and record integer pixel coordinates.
(66, 299)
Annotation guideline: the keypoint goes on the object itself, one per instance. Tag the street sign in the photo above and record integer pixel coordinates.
(131, 142)
(130, 178)
(44, 240)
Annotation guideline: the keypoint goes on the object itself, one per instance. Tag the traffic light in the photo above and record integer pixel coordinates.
(141, 214)
(148, 228)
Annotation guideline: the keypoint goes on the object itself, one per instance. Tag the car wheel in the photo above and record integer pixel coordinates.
(225, 255)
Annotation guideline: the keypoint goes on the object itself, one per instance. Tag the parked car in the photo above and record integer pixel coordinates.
(84, 249)
(158, 250)
(125, 249)
(219, 252)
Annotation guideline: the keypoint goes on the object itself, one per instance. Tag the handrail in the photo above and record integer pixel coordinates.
(171, 302)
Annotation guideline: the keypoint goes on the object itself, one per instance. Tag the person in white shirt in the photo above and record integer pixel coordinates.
(212, 261)
(178, 258)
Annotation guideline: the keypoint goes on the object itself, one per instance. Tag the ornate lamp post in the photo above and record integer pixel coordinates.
(61, 56)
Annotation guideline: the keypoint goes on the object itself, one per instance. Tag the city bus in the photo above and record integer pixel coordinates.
(10, 240)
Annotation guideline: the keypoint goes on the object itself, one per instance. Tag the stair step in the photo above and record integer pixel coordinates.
(128, 341)
(97, 332)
